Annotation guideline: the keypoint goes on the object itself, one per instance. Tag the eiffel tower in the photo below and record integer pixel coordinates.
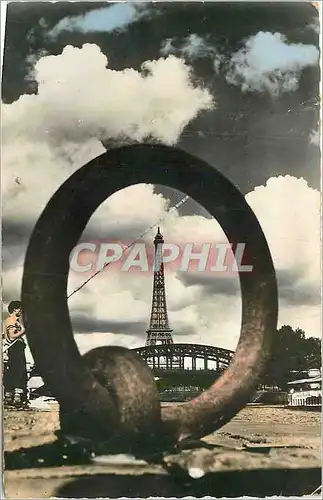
(159, 330)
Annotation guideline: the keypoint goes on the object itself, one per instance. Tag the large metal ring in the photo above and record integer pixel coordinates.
(47, 266)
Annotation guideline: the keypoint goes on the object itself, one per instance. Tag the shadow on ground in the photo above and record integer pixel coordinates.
(256, 483)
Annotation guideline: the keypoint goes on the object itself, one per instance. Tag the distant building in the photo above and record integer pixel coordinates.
(306, 392)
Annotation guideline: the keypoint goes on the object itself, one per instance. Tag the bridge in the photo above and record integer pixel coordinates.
(184, 370)
(173, 356)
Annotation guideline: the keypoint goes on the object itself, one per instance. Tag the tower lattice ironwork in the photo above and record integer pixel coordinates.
(159, 331)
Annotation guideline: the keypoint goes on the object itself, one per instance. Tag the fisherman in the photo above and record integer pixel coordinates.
(15, 372)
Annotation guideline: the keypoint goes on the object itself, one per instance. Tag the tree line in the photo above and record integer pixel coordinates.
(292, 355)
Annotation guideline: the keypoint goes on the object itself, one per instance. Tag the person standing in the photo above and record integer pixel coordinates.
(15, 374)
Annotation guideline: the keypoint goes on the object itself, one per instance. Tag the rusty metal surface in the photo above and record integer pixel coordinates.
(262, 451)
(45, 303)
(130, 384)
(195, 473)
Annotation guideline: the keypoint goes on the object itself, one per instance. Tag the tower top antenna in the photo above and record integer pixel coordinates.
(159, 237)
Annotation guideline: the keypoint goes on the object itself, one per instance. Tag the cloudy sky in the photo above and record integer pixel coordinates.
(234, 84)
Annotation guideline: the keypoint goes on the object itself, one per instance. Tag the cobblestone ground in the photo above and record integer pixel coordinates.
(279, 415)
(273, 425)
(254, 423)
(256, 426)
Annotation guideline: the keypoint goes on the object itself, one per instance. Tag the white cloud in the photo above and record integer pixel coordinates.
(217, 61)
(118, 209)
(314, 26)
(86, 342)
(289, 213)
(49, 135)
(195, 46)
(106, 19)
(132, 292)
(79, 99)
(32, 59)
(315, 138)
(191, 48)
(168, 47)
(293, 235)
(32, 171)
(267, 62)
(306, 317)
(11, 281)
(196, 315)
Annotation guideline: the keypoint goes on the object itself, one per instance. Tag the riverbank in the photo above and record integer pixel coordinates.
(254, 423)
(281, 445)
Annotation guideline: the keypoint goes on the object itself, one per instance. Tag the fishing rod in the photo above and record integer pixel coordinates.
(7, 345)
(147, 230)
